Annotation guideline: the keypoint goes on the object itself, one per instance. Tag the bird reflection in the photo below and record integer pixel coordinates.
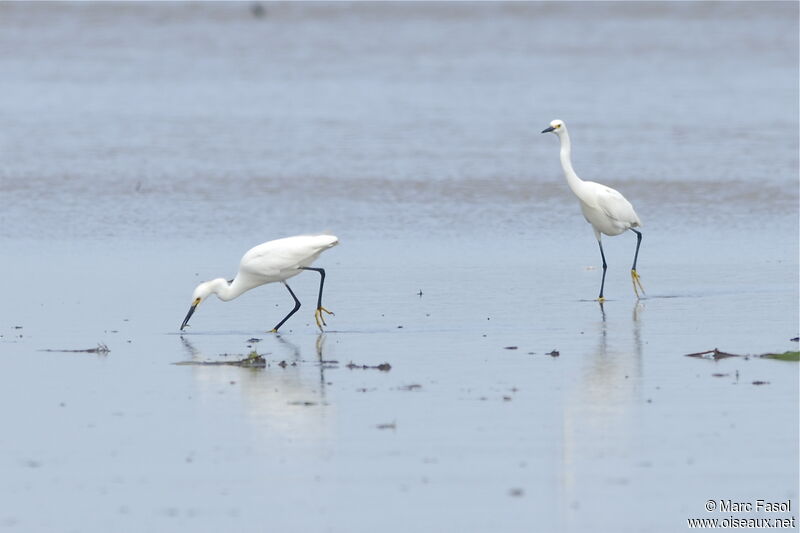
(601, 413)
(285, 398)
(292, 347)
(638, 309)
(602, 313)
(194, 353)
(319, 344)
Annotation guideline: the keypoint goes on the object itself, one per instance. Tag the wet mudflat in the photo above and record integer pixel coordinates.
(620, 414)
(467, 382)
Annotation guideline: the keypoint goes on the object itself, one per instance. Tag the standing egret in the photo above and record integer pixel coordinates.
(604, 208)
(269, 262)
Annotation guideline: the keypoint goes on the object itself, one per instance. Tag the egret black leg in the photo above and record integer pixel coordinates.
(637, 283)
(318, 317)
(293, 311)
(321, 282)
(638, 243)
(605, 267)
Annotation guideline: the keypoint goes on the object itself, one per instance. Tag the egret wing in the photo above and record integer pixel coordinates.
(266, 260)
(273, 257)
(616, 206)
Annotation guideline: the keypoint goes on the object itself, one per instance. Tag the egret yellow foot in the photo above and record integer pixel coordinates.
(601, 299)
(319, 317)
(637, 283)
(273, 330)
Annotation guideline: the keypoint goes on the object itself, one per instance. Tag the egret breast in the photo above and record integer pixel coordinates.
(602, 222)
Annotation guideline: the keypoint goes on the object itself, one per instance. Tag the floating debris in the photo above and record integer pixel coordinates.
(761, 383)
(383, 367)
(303, 404)
(785, 356)
(99, 349)
(393, 425)
(511, 347)
(413, 386)
(714, 354)
(253, 360)
(554, 353)
(516, 493)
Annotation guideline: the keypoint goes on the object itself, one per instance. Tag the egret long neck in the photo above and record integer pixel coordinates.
(573, 180)
(228, 291)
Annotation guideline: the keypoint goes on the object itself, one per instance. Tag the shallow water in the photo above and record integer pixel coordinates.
(145, 147)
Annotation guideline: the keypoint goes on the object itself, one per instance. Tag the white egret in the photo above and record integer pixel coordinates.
(269, 262)
(603, 207)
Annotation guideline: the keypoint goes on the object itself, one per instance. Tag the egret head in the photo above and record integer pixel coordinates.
(556, 126)
(200, 293)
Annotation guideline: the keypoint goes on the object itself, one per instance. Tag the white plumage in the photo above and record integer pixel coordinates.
(269, 262)
(604, 208)
(282, 259)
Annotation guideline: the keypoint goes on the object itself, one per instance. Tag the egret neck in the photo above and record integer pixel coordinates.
(225, 290)
(574, 182)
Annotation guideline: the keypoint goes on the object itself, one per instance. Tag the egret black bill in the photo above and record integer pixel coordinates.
(190, 313)
(548, 130)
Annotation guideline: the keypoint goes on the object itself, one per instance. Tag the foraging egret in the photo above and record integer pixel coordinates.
(604, 208)
(269, 262)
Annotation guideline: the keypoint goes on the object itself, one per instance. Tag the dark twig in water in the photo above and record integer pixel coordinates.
(251, 361)
(383, 367)
(554, 353)
(714, 354)
(99, 349)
